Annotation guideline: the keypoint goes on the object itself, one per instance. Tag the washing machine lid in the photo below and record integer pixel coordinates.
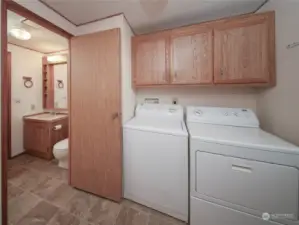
(62, 145)
(164, 126)
(248, 137)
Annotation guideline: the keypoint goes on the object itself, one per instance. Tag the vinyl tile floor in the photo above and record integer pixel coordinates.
(39, 194)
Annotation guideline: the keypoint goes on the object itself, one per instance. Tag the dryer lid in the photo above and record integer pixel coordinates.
(239, 117)
(165, 126)
(248, 137)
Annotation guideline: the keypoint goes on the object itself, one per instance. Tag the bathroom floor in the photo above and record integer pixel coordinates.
(38, 193)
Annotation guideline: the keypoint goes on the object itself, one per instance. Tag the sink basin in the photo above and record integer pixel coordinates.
(46, 116)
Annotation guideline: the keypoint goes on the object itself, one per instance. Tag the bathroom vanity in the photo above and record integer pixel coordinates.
(42, 131)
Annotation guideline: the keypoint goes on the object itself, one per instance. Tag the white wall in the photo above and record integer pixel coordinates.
(24, 63)
(60, 94)
(128, 95)
(202, 96)
(278, 108)
(271, 104)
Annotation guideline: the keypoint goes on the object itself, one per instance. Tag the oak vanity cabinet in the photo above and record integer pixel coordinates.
(150, 59)
(244, 50)
(41, 135)
(191, 55)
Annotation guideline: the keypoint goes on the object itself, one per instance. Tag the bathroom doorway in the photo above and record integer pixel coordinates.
(34, 80)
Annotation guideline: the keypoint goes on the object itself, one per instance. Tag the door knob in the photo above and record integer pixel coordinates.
(115, 115)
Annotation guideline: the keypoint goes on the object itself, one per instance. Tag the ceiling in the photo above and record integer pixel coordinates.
(151, 15)
(42, 39)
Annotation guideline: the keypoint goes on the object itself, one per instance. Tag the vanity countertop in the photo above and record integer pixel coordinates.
(47, 117)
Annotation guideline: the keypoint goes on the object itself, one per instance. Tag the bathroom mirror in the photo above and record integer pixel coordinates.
(55, 81)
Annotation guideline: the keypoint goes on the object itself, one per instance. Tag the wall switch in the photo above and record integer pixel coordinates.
(32, 107)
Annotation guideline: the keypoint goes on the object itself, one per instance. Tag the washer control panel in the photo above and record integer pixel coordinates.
(222, 116)
(160, 110)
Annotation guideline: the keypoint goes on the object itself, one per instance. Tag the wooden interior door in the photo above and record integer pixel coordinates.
(95, 110)
(243, 50)
(150, 59)
(192, 56)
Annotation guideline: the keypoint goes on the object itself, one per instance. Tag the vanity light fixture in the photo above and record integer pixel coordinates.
(56, 58)
(20, 33)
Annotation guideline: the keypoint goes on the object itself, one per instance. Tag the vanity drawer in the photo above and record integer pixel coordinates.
(260, 186)
(206, 213)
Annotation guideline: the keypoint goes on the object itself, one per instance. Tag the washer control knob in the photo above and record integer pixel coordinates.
(198, 112)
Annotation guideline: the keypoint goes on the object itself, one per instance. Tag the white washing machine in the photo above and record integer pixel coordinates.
(156, 159)
(239, 174)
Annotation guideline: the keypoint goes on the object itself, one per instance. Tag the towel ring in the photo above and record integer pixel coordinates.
(28, 83)
(60, 84)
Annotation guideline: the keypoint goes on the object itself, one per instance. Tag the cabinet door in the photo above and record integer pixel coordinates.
(244, 50)
(192, 56)
(36, 137)
(150, 60)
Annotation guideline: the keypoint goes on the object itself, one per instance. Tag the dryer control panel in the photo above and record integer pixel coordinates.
(222, 116)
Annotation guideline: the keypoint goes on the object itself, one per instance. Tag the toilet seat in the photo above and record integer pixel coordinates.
(62, 145)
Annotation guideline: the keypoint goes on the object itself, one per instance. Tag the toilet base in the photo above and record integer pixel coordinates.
(63, 164)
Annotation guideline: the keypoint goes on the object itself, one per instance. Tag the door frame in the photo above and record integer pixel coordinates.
(8, 74)
(5, 87)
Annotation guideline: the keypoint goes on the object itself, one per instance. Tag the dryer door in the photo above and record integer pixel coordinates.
(260, 186)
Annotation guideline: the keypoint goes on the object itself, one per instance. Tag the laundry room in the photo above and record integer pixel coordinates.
(165, 113)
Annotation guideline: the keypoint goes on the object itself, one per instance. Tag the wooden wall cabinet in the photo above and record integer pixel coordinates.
(238, 50)
(244, 50)
(191, 58)
(40, 136)
(150, 56)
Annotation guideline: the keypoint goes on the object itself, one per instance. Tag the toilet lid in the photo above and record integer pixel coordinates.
(62, 145)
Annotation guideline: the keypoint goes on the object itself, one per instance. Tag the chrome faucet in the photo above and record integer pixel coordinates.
(53, 113)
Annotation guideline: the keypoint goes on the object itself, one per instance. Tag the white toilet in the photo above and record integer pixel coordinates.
(61, 152)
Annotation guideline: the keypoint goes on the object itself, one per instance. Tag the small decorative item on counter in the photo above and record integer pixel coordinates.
(28, 83)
